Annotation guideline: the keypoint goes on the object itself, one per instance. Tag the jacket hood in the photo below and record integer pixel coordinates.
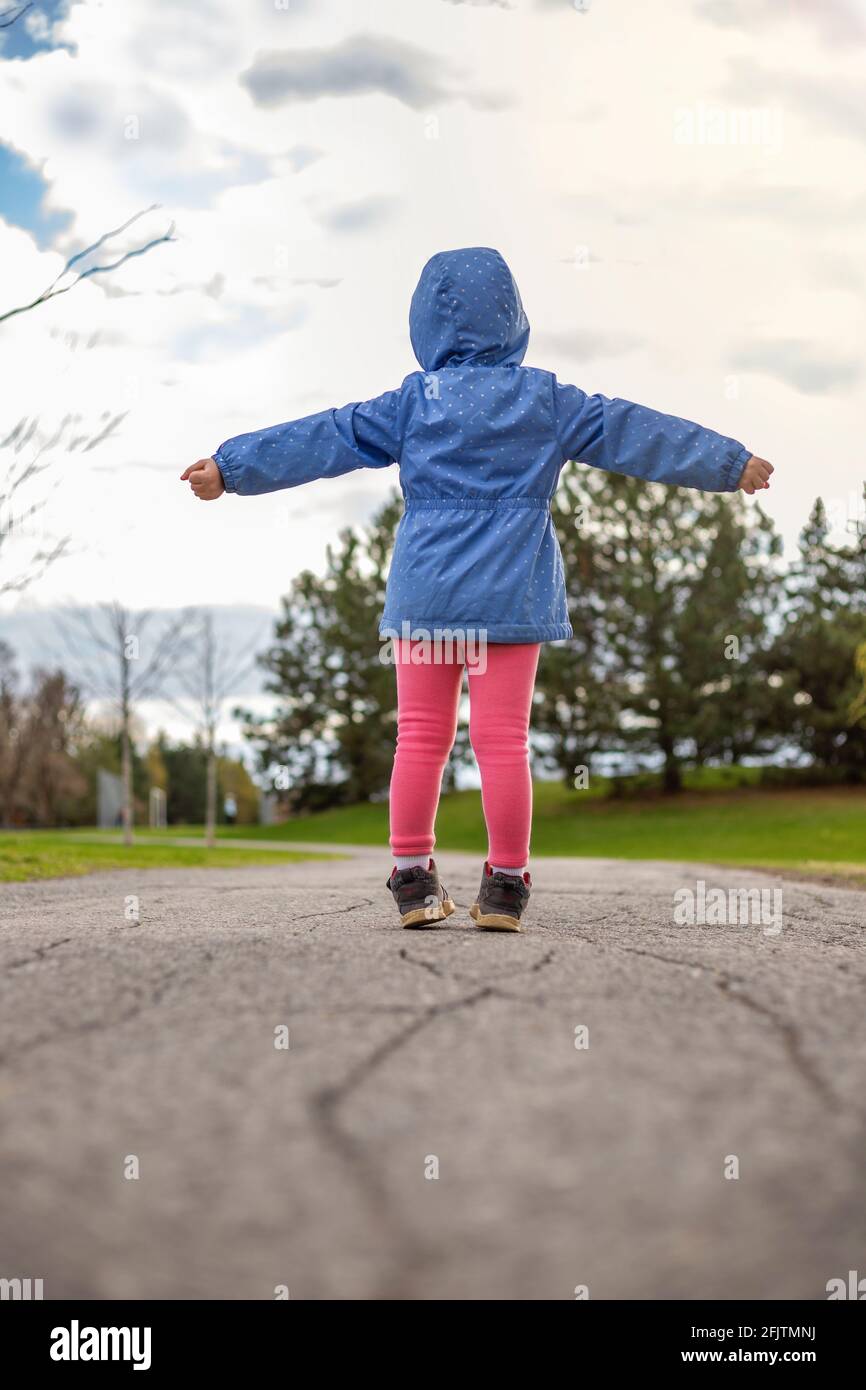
(466, 308)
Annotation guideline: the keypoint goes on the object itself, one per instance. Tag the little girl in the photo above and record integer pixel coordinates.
(480, 442)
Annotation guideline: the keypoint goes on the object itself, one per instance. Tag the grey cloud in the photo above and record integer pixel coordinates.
(321, 282)
(90, 113)
(838, 272)
(359, 65)
(625, 206)
(277, 282)
(725, 13)
(586, 344)
(359, 215)
(212, 288)
(301, 156)
(115, 292)
(163, 156)
(838, 103)
(838, 22)
(802, 365)
(790, 204)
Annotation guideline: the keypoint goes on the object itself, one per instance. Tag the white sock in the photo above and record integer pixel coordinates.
(515, 873)
(411, 861)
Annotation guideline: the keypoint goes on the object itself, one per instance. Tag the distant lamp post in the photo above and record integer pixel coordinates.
(157, 809)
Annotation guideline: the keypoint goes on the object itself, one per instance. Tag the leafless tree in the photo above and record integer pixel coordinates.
(11, 744)
(76, 268)
(38, 726)
(26, 453)
(208, 679)
(106, 645)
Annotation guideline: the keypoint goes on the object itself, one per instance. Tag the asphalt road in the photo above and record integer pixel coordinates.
(310, 1167)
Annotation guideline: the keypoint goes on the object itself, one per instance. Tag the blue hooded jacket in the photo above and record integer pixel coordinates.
(480, 441)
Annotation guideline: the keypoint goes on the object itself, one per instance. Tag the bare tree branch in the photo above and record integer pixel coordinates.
(13, 14)
(212, 674)
(110, 630)
(30, 453)
(39, 563)
(56, 288)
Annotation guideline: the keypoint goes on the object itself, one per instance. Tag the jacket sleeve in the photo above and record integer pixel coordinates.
(622, 437)
(366, 434)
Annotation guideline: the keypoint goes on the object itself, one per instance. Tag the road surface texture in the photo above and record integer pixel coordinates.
(608, 1166)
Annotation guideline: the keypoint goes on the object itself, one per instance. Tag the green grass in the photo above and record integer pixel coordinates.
(722, 818)
(813, 829)
(36, 854)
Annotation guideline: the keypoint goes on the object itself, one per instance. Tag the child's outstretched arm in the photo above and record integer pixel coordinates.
(366, 434)
(622, 437)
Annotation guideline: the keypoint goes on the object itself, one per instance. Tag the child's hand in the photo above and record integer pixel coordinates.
(755, 475)
(205, 479)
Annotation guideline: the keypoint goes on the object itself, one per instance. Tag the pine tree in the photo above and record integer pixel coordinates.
(671, 593)
(331, 738)
(813, 664)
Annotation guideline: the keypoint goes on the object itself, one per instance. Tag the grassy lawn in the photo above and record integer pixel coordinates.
(60, 854)
(819, 830)
(721, 818)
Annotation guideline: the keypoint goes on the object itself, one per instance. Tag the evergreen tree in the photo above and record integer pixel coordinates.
(185, 767)
(671, 593)
(578, 695)
(331, 738)
(813, 664)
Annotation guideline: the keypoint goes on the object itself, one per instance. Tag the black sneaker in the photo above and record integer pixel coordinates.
(420, 897)
(501, 900)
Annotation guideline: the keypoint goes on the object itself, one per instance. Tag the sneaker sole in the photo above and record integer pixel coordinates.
(421, 916)
(493, 921)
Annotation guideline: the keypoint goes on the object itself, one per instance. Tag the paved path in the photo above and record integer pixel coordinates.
(558, 1166)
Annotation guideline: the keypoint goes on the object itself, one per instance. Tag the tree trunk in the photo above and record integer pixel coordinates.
(210, 809)
(671, 778)
(126, 776)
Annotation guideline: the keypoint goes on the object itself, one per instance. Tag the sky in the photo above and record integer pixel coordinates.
(680, 190)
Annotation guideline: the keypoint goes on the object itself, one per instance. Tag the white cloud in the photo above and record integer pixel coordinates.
(302, 228)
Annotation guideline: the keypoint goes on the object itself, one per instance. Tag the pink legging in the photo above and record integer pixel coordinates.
(500, 698)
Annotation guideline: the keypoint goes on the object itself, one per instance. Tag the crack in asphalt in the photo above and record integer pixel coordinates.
(459, 976)
(145, 1000)
(39, 953)
(346, 1119)
(330, 912)
(788, 1033)
(732, 985)
(792, 1040)
(424, 964)
(411, 1251)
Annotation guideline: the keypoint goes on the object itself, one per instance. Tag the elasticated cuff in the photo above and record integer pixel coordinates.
(733, 469)
(225, 468)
